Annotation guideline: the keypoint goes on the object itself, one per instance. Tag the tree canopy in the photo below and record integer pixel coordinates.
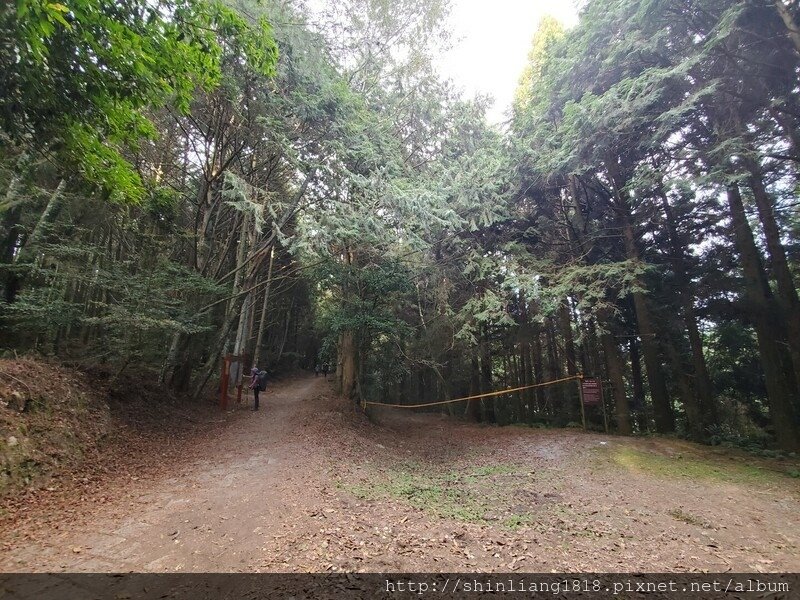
(186, 179)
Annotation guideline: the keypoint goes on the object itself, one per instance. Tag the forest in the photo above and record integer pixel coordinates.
(181, 180)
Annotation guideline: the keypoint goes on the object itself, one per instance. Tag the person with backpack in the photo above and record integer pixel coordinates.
(325, 370)
(258, 383)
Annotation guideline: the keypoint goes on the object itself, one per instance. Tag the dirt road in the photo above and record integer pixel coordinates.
(308, 484)
(212, 516)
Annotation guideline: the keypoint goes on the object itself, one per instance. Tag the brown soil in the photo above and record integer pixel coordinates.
(309, 484)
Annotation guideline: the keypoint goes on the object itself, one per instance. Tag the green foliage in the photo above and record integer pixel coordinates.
(727, 435)
(38, 312)
(695, 468)
(132, 311)
(592, 284)
(77, 75)
(375, 289)
(549, 32)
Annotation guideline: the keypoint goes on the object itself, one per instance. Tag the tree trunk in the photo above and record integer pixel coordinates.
(538, 368)
(10, 230)
(593, 362)
(762, 310)
(472, 409)
(702, 381)
(662, 407)
(616, 370)
(792, 28)
(569, 342)
(349, 344)
(262, 323)
(525, 371)
(220, 347)
(27, 253)
(789, 128)
(240, 342)
(240, 283)
(11, 240)
(348, 350)
(522, 373)
(487, 409)
(691, 407)
(571, 400)
(171, 360)
(637, 383)
(554, 398)
(286, 330)
(787, 292)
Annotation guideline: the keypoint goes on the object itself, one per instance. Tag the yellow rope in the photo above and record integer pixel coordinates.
(499, 393)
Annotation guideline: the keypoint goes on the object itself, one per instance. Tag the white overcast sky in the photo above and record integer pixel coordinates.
(491, 39)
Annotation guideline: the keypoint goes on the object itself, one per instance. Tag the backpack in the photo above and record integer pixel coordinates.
(262, 380)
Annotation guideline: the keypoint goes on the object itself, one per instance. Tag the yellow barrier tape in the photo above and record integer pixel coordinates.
(487, 394)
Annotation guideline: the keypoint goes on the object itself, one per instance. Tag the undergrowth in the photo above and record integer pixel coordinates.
(694, 467)
(477, 495)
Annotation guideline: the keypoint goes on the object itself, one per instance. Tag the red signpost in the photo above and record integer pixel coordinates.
(230, 360)
(591, 392)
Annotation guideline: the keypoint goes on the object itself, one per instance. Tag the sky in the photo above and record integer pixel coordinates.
(491, 39)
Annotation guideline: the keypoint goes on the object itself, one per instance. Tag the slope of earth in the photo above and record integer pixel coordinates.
(50, 417)
(68, 437)
(309, 484)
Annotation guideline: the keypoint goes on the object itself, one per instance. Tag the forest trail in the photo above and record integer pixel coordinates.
(213, 516)
(309, 484)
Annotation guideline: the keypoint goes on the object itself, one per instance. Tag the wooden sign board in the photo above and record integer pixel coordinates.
(591, 391)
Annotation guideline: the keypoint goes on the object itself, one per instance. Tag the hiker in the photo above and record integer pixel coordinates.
(316, 370)
(325, 370)
(255, 385)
